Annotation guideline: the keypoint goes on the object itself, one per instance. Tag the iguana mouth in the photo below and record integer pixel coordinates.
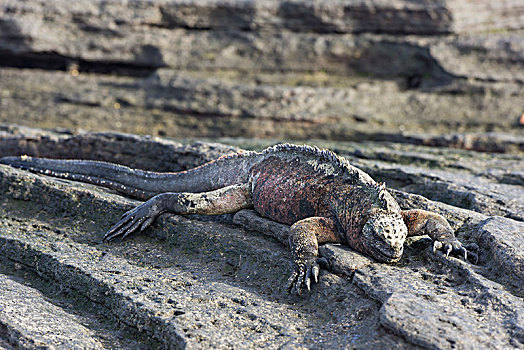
(383, 257)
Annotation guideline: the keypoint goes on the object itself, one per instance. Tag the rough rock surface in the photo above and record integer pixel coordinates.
(506, 247)
(431, 82)
(473, 56)
(30, 321)
(193, 283)
(189, 104)
(275, 35)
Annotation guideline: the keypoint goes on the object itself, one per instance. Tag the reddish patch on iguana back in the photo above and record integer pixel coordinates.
(285, 190)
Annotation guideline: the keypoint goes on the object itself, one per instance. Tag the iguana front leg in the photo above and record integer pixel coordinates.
(225, 200)
(421, 222)
(304, 238)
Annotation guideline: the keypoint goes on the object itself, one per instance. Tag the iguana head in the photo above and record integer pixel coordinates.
(383, 236)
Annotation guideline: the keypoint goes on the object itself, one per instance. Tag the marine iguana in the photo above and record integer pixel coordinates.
(322, 196)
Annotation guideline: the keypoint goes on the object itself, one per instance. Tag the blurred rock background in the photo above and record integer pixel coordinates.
(424, 95)
(300, 69)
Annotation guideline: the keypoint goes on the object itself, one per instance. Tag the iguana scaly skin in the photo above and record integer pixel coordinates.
(322, 197)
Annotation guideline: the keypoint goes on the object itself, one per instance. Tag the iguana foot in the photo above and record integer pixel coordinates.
(137, 218)
(304, 271)
(453, 246)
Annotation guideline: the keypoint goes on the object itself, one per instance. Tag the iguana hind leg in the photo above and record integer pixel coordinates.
(421, 222)
(225, 200)
(304, 238)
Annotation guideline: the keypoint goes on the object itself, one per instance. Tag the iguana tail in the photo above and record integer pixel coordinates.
(140, 184)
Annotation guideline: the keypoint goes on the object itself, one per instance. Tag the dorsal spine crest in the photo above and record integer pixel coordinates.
(326, 155)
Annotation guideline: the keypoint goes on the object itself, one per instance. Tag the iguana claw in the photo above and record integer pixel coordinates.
(448, 248)
(137, 218)
(302, 275)
(436, 246)
(468, 252)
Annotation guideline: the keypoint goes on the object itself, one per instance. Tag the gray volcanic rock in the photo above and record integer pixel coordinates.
(480, 56)
(31, 322)
(402, 313)
(189, 104)
(296, 69)
(339, 16)
(480, 142)
(120, 36)
(130, 150)
(196, 283)
(505, 242)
